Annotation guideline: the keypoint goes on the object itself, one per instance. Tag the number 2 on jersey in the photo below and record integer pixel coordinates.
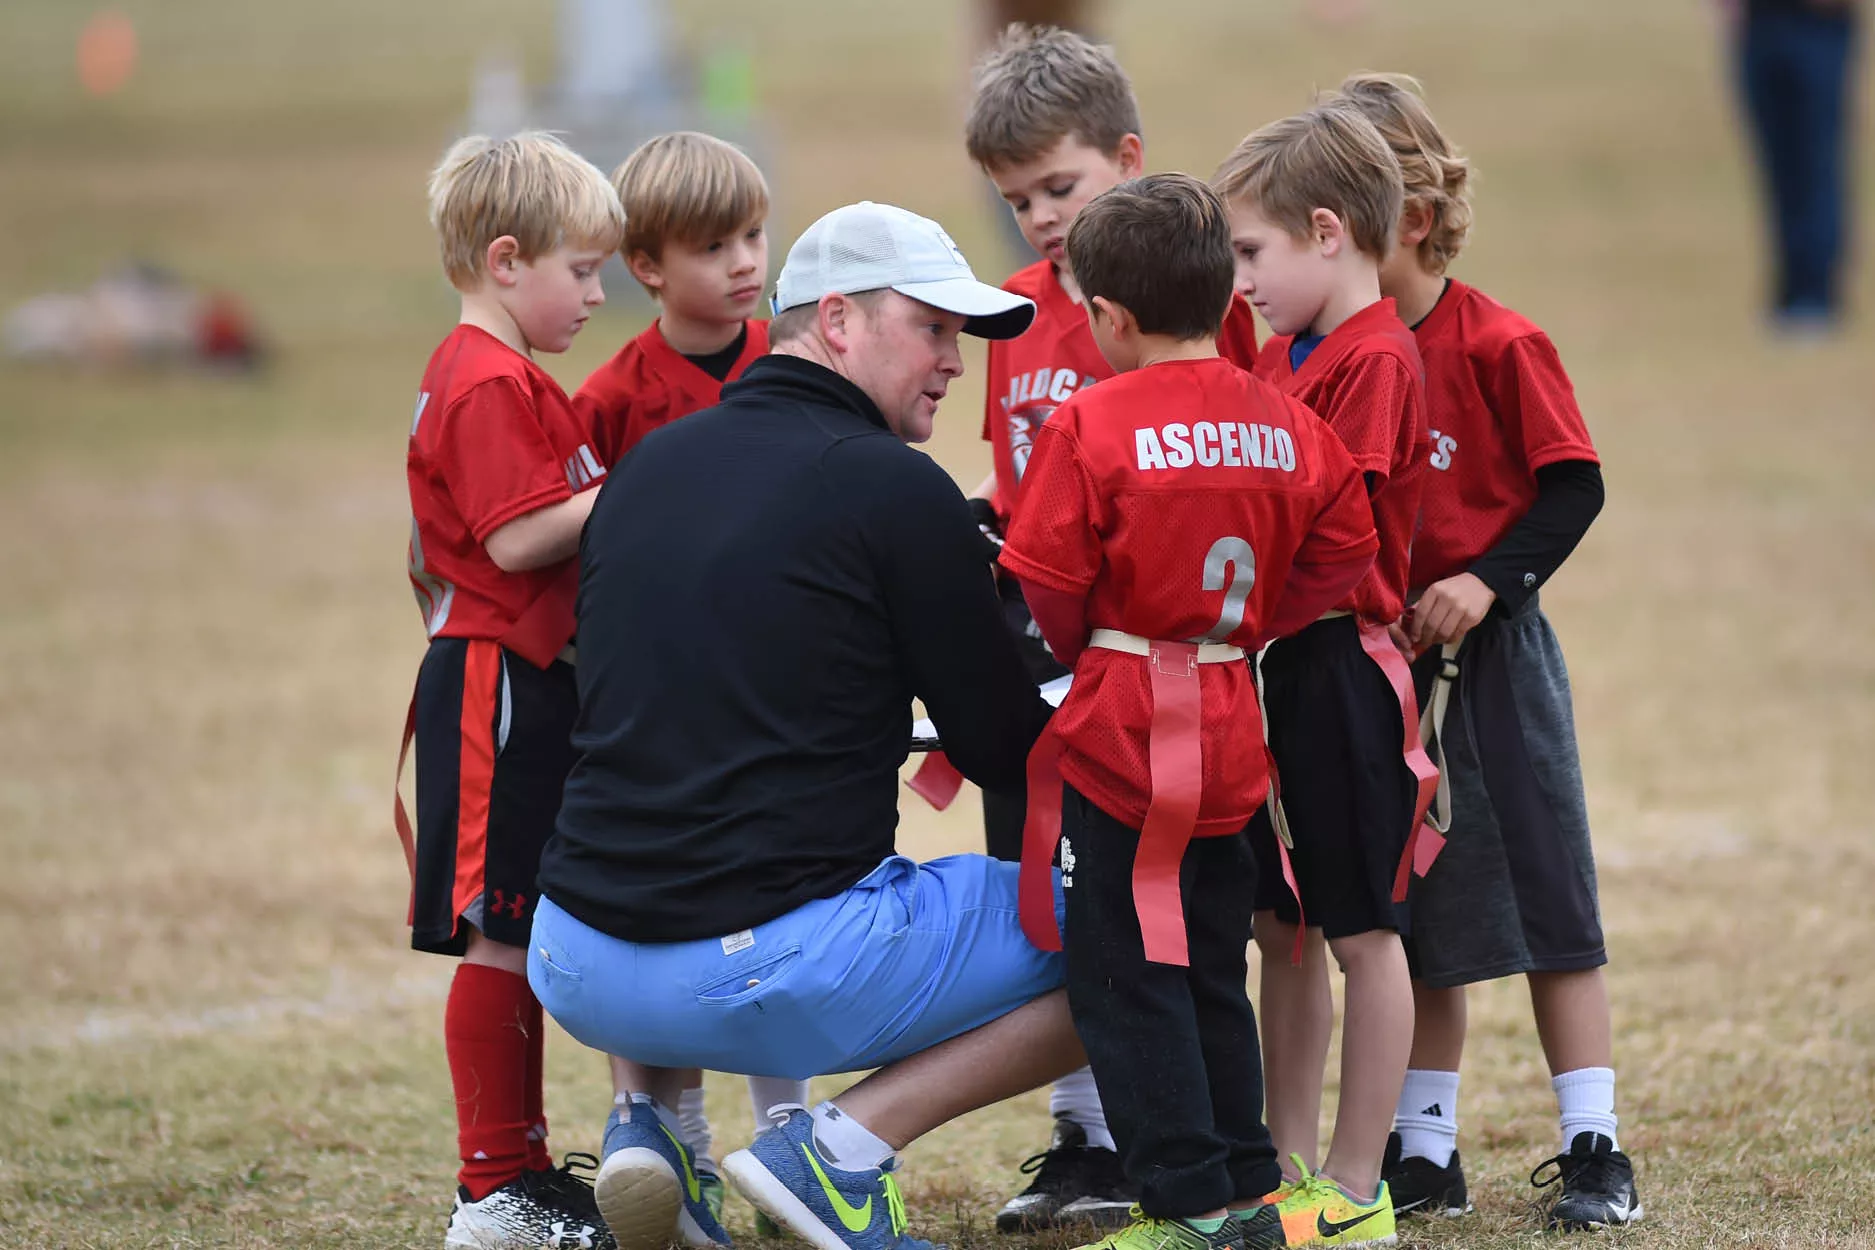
(1237, 555)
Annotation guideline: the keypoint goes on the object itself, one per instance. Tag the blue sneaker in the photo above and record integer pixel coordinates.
(648, 1189)
(785, 1176)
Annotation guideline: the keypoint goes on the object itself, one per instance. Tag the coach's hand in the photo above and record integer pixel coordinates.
(1449, 610)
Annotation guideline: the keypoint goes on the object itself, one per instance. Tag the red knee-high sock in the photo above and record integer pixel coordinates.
(538, 1156)
(487, 1029)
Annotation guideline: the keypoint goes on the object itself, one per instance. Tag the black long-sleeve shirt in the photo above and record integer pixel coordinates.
(764, 588)
(1568, 498)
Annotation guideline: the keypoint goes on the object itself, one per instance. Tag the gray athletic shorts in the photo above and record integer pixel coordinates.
(1514, 889)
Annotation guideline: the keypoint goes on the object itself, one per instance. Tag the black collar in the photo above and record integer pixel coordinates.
(778, 376)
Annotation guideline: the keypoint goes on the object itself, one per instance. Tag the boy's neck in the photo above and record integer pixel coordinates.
(689, 337)
(487, 315)
(1158, 349)
(1417, 294)
(1068, 284)
(1358, 288)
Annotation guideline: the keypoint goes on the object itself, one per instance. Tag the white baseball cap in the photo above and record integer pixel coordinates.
(869, 247)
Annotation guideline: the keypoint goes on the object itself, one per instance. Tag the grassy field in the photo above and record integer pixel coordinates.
(211, 1033)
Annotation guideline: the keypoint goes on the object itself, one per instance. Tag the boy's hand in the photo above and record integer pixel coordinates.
(1449, 610)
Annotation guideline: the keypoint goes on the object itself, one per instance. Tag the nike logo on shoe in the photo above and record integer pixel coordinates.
(856, 1218)
(1325, 1227)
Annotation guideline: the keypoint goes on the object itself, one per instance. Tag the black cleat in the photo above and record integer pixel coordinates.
(1262, 1227)
(1597, 1186)
(550, 1209)
(1421, 1187)
(1074, 1183)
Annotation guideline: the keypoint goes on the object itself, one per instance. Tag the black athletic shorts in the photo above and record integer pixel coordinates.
(1336, 731)
(493, 745)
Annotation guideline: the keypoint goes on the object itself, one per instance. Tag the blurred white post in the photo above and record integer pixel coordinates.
(613, 51)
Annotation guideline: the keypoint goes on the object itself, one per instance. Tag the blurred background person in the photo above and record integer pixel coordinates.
(1795, 60)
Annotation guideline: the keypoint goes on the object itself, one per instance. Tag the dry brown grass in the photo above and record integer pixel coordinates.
(210, 1033)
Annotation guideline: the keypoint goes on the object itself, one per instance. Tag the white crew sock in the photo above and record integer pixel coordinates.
(845, 1142)
(695, 1132)
(1427, 1117)
(774, 1091)
(1075, 1097)
(666, 1116)
(1586, 1100)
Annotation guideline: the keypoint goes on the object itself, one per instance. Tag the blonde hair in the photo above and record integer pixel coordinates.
(1436, 172)
(687, 187)
(1329, 156)
(531, 186)
(1040, 84)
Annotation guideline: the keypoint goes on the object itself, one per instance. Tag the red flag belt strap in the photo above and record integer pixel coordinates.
(400, 817)
(1175, 763)
(937, 780)
(1423, 843)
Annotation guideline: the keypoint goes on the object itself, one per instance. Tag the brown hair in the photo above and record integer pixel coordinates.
(1040, 84)
(1329, 156)
(1158, 246)
(687, 187)
(797, 322)
(531, 186)
(1436, 173)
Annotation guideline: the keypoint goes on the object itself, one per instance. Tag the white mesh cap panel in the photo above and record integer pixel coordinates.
(868, 247)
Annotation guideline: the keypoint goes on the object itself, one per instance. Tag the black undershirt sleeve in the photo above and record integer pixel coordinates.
(1568, 497)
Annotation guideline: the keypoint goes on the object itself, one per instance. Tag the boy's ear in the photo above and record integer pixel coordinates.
(1327, 231)
(646, 270)
(1415, 223)
(1119, 321)
(1130, 156)
(503, 260)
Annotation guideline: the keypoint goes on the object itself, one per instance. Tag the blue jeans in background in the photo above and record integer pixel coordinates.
(1794, 72)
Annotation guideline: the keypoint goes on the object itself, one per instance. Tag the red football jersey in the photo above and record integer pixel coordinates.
(649, 384)
(1176, 498)
(494, 438)
(1501, 408)
(1366, 381)
(1032, 375)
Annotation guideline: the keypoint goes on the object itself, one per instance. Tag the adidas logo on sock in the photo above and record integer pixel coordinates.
(1434, 1109)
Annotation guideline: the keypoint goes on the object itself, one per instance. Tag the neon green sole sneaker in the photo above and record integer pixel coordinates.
(1315, 1211)
(1147, 1233)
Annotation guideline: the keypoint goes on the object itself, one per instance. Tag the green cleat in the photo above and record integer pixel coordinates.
(1147, 1233)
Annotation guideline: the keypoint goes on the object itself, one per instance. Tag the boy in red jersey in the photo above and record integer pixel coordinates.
(696, 238)
(1313, 199)
(501, 476)
(1175, 514)
(1515, 484)
(1053, 123)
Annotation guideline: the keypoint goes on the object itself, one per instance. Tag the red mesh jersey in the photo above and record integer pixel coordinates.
(1366, 381)
(494, 438)
(1032, 375)
(1176, 498)
(1501, 408)
(649, 384)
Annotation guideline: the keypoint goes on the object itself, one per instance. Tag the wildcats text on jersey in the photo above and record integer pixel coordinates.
(1233, 444)
(1033, 397)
